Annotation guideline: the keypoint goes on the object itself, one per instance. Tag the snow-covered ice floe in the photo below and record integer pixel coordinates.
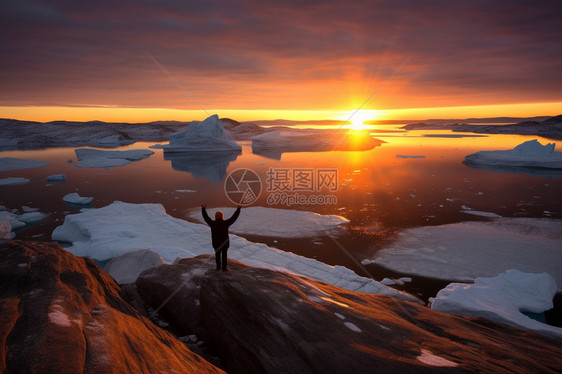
(503, 298)
(116, 229)
(13, 181)
(204, 136)
(10, 163)
(528, 155)
(95, 158)
(282, 223)
(468, 250)
(273, 144)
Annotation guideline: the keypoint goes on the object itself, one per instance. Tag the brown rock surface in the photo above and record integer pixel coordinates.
(262, 321)
(62, 314)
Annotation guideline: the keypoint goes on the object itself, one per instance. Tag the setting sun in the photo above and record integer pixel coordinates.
(356, 120)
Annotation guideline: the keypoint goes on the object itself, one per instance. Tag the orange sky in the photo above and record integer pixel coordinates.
(144, 61)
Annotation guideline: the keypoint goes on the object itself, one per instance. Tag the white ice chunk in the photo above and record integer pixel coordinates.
(10, 163)
(96, 158)
(481, 214)
(126, 268)
(467, 250)
(388, 282)
(56, 178)
(116, 229)
(13, 181)
(528, 154)
(502, 299)
(75, 198)
(284, 223)
(208, 135)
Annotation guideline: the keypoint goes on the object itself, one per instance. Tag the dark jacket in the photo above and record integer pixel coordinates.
(219, 229)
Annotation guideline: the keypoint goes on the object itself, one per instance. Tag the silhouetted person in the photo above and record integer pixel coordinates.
(219, 234)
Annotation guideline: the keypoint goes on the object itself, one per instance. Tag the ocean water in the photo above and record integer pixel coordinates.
(415, 178)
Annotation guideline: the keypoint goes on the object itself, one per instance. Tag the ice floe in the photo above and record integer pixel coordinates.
(58, 178)
(283, 223)
(503, 298)
(204, 136)
(468, 250)
(13, 181)
(11, 163)
(410, 156)
(10, 221)
(528, 155)
(116, 229)
(75, 198)
(96, 158)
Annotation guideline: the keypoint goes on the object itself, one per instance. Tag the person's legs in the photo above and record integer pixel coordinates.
(224, 255)
(218, 258)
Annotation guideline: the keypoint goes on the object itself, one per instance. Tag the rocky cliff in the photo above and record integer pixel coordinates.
(62, 314)
(263, 321)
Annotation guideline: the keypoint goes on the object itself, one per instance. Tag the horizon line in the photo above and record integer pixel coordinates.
(144, 115)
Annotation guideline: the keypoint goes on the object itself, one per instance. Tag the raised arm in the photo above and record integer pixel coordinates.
(234, 217)
(205, 215)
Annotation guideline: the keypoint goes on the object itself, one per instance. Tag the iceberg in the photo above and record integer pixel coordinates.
(95, 158)
(273, 144)
(530, 154)
(503, 299)
(119, 228)
(468, 250)
(205, 136)
(283, 223)
(10, 163)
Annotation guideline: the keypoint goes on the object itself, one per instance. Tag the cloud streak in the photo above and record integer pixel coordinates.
(289, 55)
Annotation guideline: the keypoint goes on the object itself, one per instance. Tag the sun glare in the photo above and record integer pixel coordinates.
(358, 119)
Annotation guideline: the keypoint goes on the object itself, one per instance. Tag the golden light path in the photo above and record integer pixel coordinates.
(125, 114)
